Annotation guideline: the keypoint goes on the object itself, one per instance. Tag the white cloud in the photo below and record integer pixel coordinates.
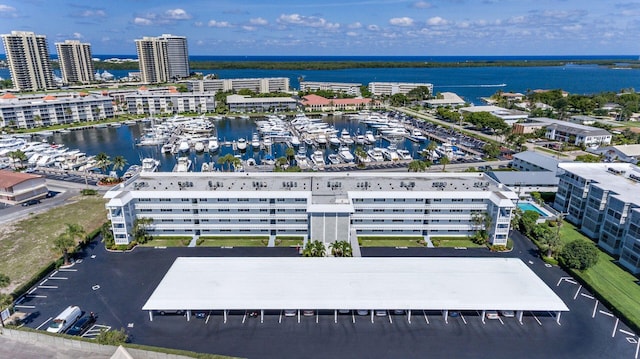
(198, 23)
(351, 33)
(355, 25)
(421, 5)
(576, 27)
(437, 21)
(258, 21)
(373, 28)
(214, 23)
(401, 21)
(77, 35)
(249, 28)
(177, 14)
(142, 21)
(308, 21)
(7, 11)
(93, 13)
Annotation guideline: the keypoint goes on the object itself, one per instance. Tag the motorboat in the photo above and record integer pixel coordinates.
(318, 158)
(345, 137)
(360, 140)
(345, 154)
(149, 165)
(295, 141)
(241, 144)
(183, 165)
(321, 139)
(183, 147)
(334, 159)
(267, 142)
(404, 154)
(368, 135)
(418, 136)
(255, 141)
(167, 148)
(199, 146)
(213, 144)
(334, 140)
(391, 153)
(376, 154)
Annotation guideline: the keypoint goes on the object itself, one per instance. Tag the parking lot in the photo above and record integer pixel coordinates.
(115, 286)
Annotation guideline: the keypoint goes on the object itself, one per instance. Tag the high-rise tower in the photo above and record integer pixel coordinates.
(75, 62)
(163, 58)
(28, 59)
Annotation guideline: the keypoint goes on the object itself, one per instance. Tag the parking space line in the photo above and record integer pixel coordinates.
(61, 278)
(45, 322)
(587, 295)
(462, 316)
(627, 333)
(47, 287)
(206, 321)
(44, 281)
(280, 318)
(35, 296)
(637, 349)
(390, 320)
(353, 317)
(595, 307)
(54, 273)
(32, 290)
(577, 292)
(605, 313)
(536, 318)
(244, 317)
(500, 319)
(67, 270)
(317, 315)
(25, 306)
(615, 328)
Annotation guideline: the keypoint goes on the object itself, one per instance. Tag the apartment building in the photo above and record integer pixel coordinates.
(76, 62)
(257, 85)
(28, 60)
(348, 88)
(318, 206)
(602, 200)
(392, 88)
(27, 111)
(157, 102)
(177, 56)
(239, 103)
(162, 59)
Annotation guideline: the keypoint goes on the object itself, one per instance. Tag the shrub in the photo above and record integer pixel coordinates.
(579, 254)
(436, 242)
(498, 248)
(199, 241)
(112, 337)
(89, 192)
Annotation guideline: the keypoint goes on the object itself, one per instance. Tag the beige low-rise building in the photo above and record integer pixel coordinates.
(18, 187)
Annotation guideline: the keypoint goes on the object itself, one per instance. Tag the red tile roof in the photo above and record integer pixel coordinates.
(9, 178)
(311, 100)
(7, 96)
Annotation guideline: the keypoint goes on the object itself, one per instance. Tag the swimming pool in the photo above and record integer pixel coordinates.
(528, 206)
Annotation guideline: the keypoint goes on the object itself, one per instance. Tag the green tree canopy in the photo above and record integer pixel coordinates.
(580, 254)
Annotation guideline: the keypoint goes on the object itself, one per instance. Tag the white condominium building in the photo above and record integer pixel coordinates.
(28, 59)
(239, 103)
(257, 85)
(29, 111)
(145, 102)
(344, 87)
(392, 88)
(316, 206)
(76, 62)
(603, 200)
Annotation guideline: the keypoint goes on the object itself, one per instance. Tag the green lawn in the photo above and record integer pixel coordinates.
(26, 245)
(455, 242)
(167, 242)
(289, 242)
(555, 153)
(614, 284)
(234, 242)
(367, 241)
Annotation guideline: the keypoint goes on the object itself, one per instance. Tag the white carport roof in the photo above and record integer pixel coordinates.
(352, 283)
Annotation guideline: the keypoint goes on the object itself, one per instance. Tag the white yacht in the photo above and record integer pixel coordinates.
(213, 144)
(321, 139)
(391, 153)
(345, 137)
(255, 141)
(167, 148)
(318, 158)
(334, 159)
(183, 165)
(404, 154)
(184, 146)
(334, 140)
(149, 165)
(376, 154)
(360, 140)
(368, 135)
(295, 141)
(346, 154)
(242, 144)
(267, 142)
(301, 159)
(418, 136)
(199, 146)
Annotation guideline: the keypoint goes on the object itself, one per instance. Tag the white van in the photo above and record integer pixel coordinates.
(65, 319)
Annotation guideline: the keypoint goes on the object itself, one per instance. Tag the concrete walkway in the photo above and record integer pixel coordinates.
(10, 348)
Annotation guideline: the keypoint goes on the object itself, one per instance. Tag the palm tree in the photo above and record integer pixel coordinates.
(17, 155)
(74, 231)
(103, 161)
(140, 229)
(444, 161)
(361, 154)
(118, 163)
(235, 162)
(341, 249)
(417, 166)
(62, 244)
(314, 249)
(281, 161)
(229, 160)
(290, 154)
(428, 151)
(37, 120)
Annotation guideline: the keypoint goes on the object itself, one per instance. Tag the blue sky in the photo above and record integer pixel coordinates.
(340, 27)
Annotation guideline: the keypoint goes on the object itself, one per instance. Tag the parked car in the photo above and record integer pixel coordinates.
(344, 311)
(492, 314)
(167, 312)
(308, 313)
(398, 312)
(362, 312)
(289, 312)
(82, 325)
(30, 202)
(380, 313)
(507, 313)
(65, 319)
